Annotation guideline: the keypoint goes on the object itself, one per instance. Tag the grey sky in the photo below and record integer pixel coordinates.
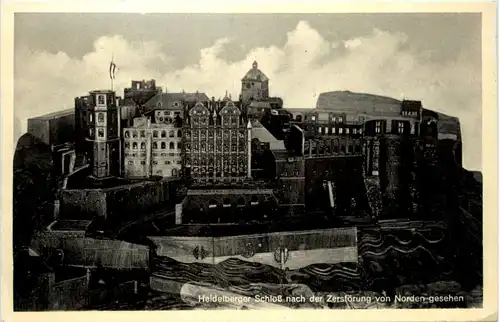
(182, 35)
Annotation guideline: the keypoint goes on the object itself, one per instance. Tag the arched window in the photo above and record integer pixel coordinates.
(134, 145)
(179, 133)
(171, 134)
(127, 145)
(241, 202)
(172, 146)
(163, 134)
(174, 172)
(155, 145)
(155, 134)
(127, 134)
(134, 134)
(143, 145)
(179, 145)
(163, 145)
(212, 203)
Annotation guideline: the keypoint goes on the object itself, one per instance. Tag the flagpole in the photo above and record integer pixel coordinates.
(111, 70)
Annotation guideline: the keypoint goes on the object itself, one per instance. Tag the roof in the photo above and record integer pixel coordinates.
(54, 115)
(263, 135)
(229, 191)
(168, 100)
(255, 74)
(260, 104)
(102, 91)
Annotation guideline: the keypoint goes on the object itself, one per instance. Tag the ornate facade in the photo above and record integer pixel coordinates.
(217, 140)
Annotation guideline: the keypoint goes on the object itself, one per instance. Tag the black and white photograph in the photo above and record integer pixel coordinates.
(248, 161)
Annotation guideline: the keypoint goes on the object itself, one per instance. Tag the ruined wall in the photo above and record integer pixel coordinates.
(120, 203)
(346, 173)
(69, 294)
(89, 252)
(132, 201)
(82, 204)
(396, 158)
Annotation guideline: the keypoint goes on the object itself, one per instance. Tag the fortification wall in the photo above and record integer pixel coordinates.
(125, 202)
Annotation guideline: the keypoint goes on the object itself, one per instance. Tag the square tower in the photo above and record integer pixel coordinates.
(104, 134)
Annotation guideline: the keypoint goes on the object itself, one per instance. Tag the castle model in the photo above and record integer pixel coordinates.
(164, 183)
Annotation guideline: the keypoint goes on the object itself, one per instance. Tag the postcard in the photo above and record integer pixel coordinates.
(299, 161)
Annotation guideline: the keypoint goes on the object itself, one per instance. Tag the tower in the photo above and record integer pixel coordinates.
(249, 149)
(103, 134)
(255, 85)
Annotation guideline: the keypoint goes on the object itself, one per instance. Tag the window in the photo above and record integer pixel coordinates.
(143, 145)
(179, 162)
(340, 130)
(134, 145)
(174, 172)
(163, 145)
(378, 127)
(333, 130)
(131, 163)
(101, 99)
(319, 130)
(155, 162)
(134, 134)
(143, 162)
(212, 204)
(155, 134)
(179, 133)
(171, 134)
(127, 145)
(90, 118)
(167, 162)
(91, 132)
(100, 133)
(143, 134)
(313, 117)
(172, 146)
(326, 130)
(347, 130)
(354, 131)
(155, 145)
(401, 127)
(179, 145)
(163, 134)
(100, 117)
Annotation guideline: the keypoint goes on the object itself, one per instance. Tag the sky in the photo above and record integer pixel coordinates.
(432, 57)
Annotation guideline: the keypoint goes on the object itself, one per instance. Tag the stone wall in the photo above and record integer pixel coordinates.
(121, 203)
(131, 201)
(83, 251)
(82, 204)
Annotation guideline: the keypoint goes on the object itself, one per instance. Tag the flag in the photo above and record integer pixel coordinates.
(112, 69)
